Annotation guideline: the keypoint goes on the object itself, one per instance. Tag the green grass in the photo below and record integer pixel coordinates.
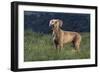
(39, 47)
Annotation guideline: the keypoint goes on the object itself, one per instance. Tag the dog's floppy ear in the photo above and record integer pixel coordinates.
(50, 22)
(60, 22)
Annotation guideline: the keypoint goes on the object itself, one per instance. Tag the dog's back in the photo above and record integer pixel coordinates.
(69, 36)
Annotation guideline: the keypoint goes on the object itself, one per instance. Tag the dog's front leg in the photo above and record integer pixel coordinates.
(61, 46)
(56, 44)
(61, 42)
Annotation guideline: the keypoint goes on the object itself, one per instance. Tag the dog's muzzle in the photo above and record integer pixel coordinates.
(51, 27)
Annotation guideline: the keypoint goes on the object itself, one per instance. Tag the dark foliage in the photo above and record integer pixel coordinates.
(39, 21)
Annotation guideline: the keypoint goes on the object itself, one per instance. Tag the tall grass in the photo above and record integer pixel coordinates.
(39, 47)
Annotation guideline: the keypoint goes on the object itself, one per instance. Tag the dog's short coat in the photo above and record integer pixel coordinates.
(61, 37)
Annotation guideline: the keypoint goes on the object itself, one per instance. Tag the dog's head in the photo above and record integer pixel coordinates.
(55, 23)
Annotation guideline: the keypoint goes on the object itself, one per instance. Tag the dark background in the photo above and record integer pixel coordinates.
(39, 21)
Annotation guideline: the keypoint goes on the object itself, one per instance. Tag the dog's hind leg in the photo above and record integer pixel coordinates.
(77, 42)
(77, 45)
(56, 44)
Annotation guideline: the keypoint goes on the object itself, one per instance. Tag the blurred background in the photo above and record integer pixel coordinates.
(39, 21)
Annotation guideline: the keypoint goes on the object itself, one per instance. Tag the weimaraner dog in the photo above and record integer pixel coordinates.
(61, 37)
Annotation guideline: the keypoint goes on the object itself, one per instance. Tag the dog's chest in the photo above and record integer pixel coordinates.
(55, 36)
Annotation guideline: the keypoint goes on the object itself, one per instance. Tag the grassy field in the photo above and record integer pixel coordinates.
(39, 47)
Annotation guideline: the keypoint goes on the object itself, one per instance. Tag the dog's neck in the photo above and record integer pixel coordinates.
(57, 32)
